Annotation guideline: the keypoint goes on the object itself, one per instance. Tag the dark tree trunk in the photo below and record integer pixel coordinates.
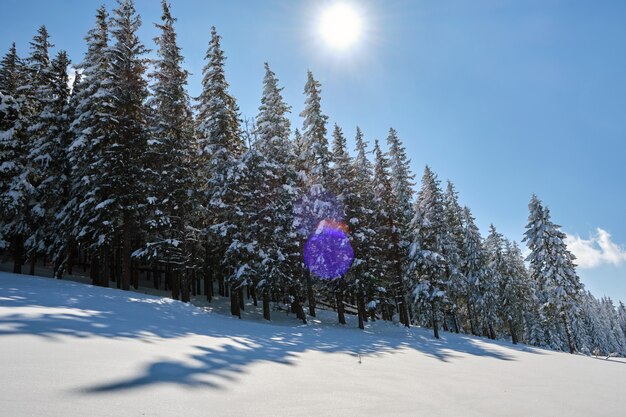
(235, 309)
(444, 322)
(184, 285)
(94, 268)
(568, 333)
(492, 332)
(126, 252)
(470, 314)
(360, 308)
(512, 330)
(266, 304)
(310, 294)
(135, 273)
(221, 288)
(341, 313)
(297, 308)
(33, 262)
(435, 321)
(455, 322)
(18, 253)
(155, 274)
(242, 304)
(254, 295)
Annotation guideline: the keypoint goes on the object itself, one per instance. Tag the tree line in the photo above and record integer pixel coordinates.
(113, 166)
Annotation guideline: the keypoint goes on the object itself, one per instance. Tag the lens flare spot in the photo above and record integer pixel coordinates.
(328, 253)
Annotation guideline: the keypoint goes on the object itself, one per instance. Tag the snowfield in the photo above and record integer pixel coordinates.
(73, 350)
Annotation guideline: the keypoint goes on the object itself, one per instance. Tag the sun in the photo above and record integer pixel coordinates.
(340, 26)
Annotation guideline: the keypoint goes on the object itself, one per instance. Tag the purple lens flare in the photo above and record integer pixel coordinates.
(328, 253)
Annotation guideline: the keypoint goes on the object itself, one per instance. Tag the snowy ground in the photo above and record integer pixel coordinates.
(69, 349)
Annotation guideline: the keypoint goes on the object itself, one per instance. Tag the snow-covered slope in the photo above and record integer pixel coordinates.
(69, 349)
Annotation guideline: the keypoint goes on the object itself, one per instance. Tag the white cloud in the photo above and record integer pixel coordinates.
(599, 249)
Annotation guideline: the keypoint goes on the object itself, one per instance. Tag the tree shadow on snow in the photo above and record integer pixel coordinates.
(76, 310)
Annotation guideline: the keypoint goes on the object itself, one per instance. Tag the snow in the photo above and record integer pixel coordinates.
(69, 349)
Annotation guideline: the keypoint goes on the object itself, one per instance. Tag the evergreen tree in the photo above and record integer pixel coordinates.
(122, 171)
(552, 268)
(171, 175)
(316, 204)
(88, 220)
(453, 218)
(15, 183)
(49, 163)
(430, 242)
(388, 243)
(473, 268)
(277, 254)
(220, 149)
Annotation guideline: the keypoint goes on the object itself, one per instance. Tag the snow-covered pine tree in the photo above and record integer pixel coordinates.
(362, 223)
(453, 219)
(171, 172)
(316, 203)
(122, 171)
(276, 251)
(340, 185)
(429, 243)
(15, 186)
(492, 281)
(387, 240)
(220, 149)
(552, 267)
(90, 128)
(402, 184)
(515, 291)
(49, 163)
(473, 268)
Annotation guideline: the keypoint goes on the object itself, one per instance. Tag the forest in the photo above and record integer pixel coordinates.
(109, 165)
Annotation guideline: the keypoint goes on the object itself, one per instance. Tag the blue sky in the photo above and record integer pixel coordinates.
(503, 98)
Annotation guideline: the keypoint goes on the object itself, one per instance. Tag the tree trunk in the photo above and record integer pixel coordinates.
(126, 252)
(341, 314)
(492, 333)
(254, 295)
(360, 308)
(568, 332)
(266, 303)
(94, 267)
(235, 309)
(470, 316)
(513, 334)
(18, 253)
(435, 321)
(33, 262)
(155, 274)
(184, 285)
(296, 307)
(309, 292)
(455, 322)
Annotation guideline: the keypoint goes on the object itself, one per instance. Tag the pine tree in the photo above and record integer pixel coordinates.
(492, 281)
(388, 235)
(220, 149)
(277, 254)
(122, 175)
(316, 203)
(515, 291)
(171, 152)
(553, 269)
(453, 215)
(473, 268)
(15, 184)
(48, 155)
(90, 129)
(429, 244)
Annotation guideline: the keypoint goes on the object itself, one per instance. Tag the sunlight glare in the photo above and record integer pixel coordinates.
(340, 26)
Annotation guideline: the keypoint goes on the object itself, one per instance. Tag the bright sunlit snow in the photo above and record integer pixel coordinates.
(72, 350)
